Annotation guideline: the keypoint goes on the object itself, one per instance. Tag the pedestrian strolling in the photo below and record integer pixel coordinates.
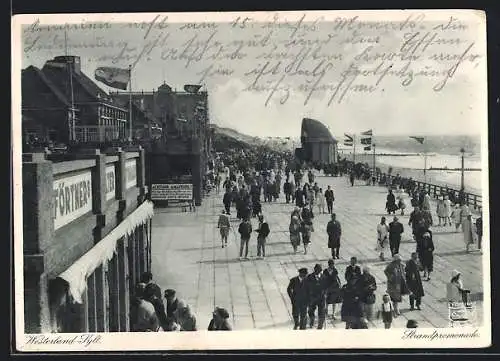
(295, 231)
(382, 238)
(306, 230)
(396, 229)
(299, 297)
(387, 311)
(330, 198)
(263, 231)
(224, 225)
(426, 250)
(332, 286)
(245, 231)
(390, 204)
(441, 211)
(334, 231)
(321, 201)
(479, 231)
(316, 297)
(352, 269)
(396, 282)
(455, 291)
(414, 282)
(447, 210)
(457, 217)
(352, 307)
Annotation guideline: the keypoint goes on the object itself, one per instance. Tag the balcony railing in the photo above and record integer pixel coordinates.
(97, 134)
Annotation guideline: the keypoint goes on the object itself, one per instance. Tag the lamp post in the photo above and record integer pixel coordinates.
(374, 175)
(462, 186)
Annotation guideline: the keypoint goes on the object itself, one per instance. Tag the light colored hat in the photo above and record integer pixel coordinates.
(455, 273)
(427, 235)
(396, 257)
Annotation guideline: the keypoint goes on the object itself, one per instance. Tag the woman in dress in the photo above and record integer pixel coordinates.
(295, 229)
(223, 224)
(441, 211)
(447, 207)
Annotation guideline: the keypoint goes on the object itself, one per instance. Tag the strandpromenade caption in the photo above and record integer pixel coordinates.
(280, 57)
(90, 339)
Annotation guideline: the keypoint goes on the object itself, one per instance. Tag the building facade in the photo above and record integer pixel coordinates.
(86, 240)
(318, 144)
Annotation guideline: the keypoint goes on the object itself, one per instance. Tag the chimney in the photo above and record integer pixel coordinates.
(72, 61)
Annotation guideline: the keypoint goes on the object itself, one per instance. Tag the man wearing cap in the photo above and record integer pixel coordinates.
(425, 249)
(396, 229)
(396, 282)
(316, 291)
(298, 292)
(245, 230)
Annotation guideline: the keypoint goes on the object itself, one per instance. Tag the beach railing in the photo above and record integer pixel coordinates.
(472, 200)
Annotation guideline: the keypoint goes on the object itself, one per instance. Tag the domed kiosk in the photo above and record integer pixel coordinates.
(318, 144)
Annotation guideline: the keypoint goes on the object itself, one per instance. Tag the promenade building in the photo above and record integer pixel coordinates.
(318, 144)
(61, 104)
(86, 239)
(184, 151)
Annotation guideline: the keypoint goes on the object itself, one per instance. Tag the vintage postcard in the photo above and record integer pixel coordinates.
(302, 180)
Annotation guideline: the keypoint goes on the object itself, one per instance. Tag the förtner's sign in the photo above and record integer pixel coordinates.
(72, 198)
(170, 192)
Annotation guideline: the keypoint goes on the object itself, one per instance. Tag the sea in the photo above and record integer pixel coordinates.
(442, 152)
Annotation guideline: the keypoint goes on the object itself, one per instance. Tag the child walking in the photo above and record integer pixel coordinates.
(386, 311)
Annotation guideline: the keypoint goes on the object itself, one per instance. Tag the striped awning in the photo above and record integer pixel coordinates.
(76, 275)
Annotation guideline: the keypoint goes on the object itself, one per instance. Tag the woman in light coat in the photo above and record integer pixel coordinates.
(457, 218)
(441, 211)
(447, 207)
(321, 201)
(469, 229)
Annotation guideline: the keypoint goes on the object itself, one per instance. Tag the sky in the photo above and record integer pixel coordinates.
(390, 109)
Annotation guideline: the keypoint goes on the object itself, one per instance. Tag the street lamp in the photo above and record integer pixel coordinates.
(462, 186)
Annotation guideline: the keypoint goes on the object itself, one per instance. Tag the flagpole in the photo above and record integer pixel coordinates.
(130, 103)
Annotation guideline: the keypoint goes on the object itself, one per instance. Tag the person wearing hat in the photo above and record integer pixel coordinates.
(455, 291)
(220, 320)
(414, 282)
(396, 282)
(298, 292)
(153, 288)
(425, 249)
(263, 231)
(224, 225)
(412, 324)
(396, 229)
(334, 231)
(316, 291)
(245, 231)
(382, 237)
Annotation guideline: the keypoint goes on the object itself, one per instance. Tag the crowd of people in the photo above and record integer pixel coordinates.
(311, 294)
(153, 312)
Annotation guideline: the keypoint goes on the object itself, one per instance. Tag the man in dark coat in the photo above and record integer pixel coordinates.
(151, 287)
(316, 291)
(414, 282)
(334, 231)
(227, 199)
(396, 229)
(330, 198)
(416, 218)
(245, 231)
(332, 284)
(298, 292)
(299, 197)
(351, 178)
(287, 189)
(479, 231)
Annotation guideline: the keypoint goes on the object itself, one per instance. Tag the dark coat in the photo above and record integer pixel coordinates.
(227, 199)
(245, 230)
(299, 198)
(350, 271)
(263, 230)
(395, 231)
(413, 280)
(334, 231)
(332, 286)
(225, 326)
(298, 291)
(351, 305)
(315, 287)
(329, 197)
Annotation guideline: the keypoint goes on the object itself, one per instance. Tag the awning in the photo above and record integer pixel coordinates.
(76, 275)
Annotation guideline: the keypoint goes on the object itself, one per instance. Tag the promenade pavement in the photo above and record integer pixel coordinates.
(187, 256)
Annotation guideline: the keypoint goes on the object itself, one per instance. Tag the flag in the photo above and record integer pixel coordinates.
(418, 139)
(348, 137)
(368, 148)
(368, 132)
(349, 140)
(366, 141)
(113, 77)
